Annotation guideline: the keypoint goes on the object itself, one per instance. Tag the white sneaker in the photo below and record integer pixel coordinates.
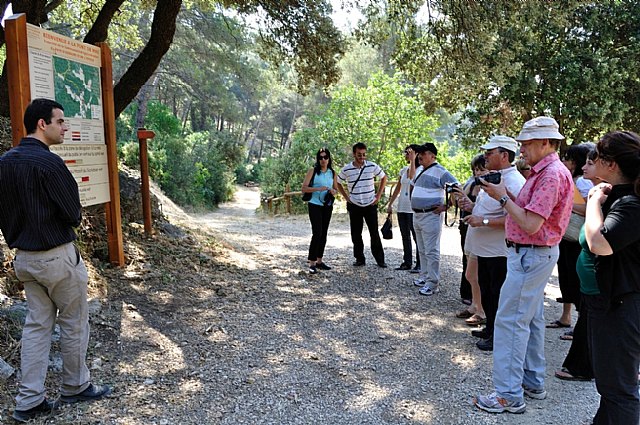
(428, 290)
(419, 282)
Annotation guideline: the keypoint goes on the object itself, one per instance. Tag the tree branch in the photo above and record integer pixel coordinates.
(100, 28)
(163, 29)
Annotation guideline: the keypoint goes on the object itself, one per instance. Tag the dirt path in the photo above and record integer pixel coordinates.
(360, 346)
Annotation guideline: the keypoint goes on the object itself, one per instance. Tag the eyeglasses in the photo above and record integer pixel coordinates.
(323, 157)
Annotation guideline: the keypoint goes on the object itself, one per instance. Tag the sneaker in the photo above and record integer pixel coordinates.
(428, 290)
(45, 408)
(419, 282)
(313, 269)
(536, 394)
(323, 266)
(493, 404)
(93, 392)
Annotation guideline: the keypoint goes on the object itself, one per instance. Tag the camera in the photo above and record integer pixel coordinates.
(493, 178)
(449, 187)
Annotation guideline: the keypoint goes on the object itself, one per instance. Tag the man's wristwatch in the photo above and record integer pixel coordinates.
(503, 201)
(485, 221)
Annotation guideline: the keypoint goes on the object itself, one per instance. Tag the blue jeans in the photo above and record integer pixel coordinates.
(428, 227)
(518, 346)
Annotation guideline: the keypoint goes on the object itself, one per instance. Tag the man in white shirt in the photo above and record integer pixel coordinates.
(485, 237)
(362, 200)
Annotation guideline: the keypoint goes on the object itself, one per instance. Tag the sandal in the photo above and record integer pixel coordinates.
(565, 375)
(464, 314)
(476, 320)
(557, 324)
(567, 336)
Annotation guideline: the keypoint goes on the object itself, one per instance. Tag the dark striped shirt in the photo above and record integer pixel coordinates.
(39, 200)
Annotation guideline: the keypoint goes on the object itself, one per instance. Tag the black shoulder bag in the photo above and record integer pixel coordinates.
(306, 197)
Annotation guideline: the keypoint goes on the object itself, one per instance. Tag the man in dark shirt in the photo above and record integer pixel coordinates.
(40, 208)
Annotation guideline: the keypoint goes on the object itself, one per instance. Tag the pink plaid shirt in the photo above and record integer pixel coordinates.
(547, 192)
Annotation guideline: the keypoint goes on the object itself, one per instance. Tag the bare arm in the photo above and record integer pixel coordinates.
(394, 195)
(383, 183)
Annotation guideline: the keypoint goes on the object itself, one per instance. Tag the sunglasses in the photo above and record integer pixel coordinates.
(323, 157)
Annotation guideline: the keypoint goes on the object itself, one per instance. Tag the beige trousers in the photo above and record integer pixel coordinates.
(55, 283)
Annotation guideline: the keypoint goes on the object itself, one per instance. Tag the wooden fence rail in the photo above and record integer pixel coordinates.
(272, 203)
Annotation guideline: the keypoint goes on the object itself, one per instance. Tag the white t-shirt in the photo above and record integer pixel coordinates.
(485, 241)
(404, 202)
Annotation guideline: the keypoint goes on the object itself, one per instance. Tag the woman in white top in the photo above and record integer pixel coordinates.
(405, 216)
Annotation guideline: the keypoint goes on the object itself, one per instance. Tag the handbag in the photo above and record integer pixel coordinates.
(329, 199)
(386, 231)
(306, 197)
(573, 229)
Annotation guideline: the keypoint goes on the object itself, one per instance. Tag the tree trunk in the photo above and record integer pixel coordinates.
(162, 30)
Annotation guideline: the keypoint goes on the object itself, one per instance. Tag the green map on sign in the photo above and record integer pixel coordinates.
(77, 87)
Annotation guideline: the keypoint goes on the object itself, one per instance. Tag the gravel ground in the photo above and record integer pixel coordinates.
(246, 336)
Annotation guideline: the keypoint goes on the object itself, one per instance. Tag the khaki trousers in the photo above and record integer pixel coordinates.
(55, 283)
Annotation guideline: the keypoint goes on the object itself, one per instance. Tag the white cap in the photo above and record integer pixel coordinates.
(504, 142)
(540, 128)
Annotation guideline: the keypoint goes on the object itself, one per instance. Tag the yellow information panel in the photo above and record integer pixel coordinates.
(68, 71)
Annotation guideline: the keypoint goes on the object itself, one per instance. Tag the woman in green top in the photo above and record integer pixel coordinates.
(577, 364)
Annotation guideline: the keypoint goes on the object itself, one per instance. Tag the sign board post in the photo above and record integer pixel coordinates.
(43, 64)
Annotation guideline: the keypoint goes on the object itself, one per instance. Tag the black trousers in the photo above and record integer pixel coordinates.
(568, 279)
(578, 360)
(465, 286)
(614, 338)
(357, 216)
(320, 216)
(492, 271)
(405, 223)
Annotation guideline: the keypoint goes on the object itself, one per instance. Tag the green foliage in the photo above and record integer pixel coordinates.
(509, 60)
(198, 170)
(385, 115)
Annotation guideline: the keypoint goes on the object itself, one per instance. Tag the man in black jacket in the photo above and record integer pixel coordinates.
(39, 210)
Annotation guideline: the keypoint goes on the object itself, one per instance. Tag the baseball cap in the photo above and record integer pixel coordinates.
(504, 142)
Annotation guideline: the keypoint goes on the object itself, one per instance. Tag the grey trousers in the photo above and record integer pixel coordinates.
(55, 283)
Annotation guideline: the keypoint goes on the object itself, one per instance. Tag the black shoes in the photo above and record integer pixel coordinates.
(416, 269)
(93, 392)
(322, 266)
(480, 333)
(313, 269)
(359, 263)
(485, 344)
(382, 265)
(404, 266)
(42, 409)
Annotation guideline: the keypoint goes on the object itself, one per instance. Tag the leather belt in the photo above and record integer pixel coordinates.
(424, 210)
(517, 246)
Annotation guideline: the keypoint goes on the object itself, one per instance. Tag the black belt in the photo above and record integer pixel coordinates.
(517, 246)
(424, 210)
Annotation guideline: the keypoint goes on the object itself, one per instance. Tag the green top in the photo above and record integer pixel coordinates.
(585, 266)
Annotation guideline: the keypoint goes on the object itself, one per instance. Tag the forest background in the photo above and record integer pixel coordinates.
(249, 90)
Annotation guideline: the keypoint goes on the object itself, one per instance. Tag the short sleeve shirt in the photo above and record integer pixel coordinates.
(618, 274)
(428, 187)
(484, 241)
(362, 191)
(548, 192)
(404, 202)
